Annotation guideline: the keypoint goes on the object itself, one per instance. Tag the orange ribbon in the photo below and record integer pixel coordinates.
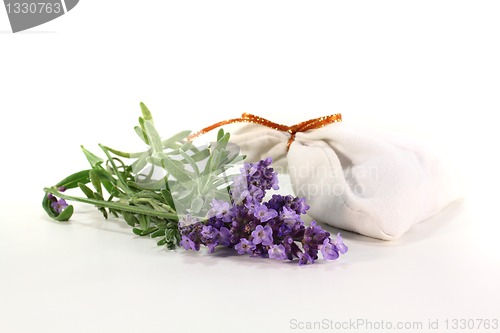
(250, 118)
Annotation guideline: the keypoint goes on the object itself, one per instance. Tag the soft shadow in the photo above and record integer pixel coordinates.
(90, 217)
(430, 227)
(449, 217)
(227, 254)
(359, 245)
(211, 259)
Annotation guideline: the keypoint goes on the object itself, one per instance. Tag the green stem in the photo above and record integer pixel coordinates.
(113, 205)
(149, 201)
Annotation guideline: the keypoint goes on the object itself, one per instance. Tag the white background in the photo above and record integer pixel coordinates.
(429, 69)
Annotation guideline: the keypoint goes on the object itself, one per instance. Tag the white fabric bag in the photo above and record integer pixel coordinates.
(355, 178)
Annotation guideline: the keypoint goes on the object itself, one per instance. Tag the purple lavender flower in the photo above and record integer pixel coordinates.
(291, 249)
(283, 231)
(263, 213)
(277, 252)
(339, 244)
(314, 234)
(188, 220)
(224, 236)
(220, 209)
(188, 244)
(255, 180)
(59, 205)
(209, 237)
(250, 203)
(211, 247)
(304, 258)
(256, 193)
(244, 246)
(276, 202)
(289, 216)
(51, 198)
(266, 175)
(251, 168)
(239, 189)
(215, 222)
(328, 250)
(208, 232)
(262, 235)
(299, 205)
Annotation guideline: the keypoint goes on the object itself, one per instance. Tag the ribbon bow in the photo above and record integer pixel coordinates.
(250, 118)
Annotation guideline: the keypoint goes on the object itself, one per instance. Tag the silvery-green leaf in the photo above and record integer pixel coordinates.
(146, 114)
(153, 137)
(176, 169)
(191, 162)
(196, 205)
(142, 135)
(201, 155)
(92, 158)
(140, 163)
(173, 141)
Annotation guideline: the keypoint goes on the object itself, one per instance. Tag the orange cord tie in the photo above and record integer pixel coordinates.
(292, 130)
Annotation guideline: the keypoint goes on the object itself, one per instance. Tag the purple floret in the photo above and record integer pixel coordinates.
(210, 237)
(277, 252)
(339, 244)
(329, 251)
(188, 244)
(224, 236)
(305, 258)
(289, 217)
(263, 213)
(244, 246)
(221, 210)
(58, 205)
(262, 235)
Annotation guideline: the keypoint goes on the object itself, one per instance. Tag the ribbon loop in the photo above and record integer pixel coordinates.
(292, 130)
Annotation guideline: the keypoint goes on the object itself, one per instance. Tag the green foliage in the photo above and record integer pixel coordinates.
(127, 184)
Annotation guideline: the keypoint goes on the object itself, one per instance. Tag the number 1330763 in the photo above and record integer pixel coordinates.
(33, 8)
